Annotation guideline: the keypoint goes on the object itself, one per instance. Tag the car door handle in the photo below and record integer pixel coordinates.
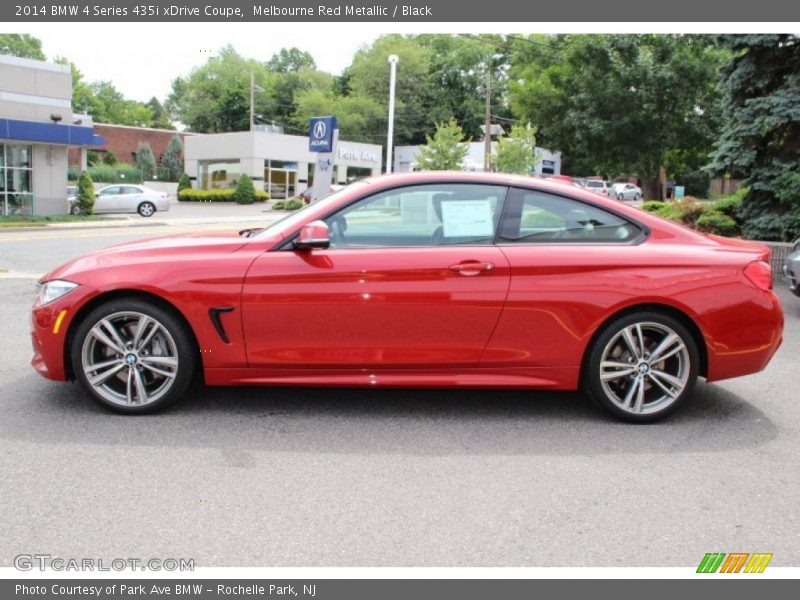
(470, 268)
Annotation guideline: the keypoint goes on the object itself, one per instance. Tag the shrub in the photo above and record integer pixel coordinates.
(184, 183)
(653, 206)
(92, 158)
(85, 198)
(226, 195)
(729, 206)
(717, 223)
(688, 210)
(145, 160)
(109, 158)
(245, 192)
(294, 204)
(120, 173)
(280, 205)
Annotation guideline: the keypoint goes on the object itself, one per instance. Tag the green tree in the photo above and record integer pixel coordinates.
(109, 158)
(159, 116)
(291, 60)
(620, 104)
(85, 198)
(360, 118)
(245, 191)
(516, 153)
(445, 150)
(21, 45)
(184, 183)
(172, 160)
(145, 161)
(761, 134)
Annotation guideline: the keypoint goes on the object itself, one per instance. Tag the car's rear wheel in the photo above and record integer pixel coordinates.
(132, 356)
(146, 209)
(75, 209)
(642, 366)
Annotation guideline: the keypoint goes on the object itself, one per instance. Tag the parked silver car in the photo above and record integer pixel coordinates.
(128, 198)
(626, 191)
(597, 186)
(791, 268)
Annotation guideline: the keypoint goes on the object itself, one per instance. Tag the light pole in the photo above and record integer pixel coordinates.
(393, 60)
(253, 89)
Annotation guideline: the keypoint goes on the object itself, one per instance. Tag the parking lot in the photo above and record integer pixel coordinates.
(288, 477)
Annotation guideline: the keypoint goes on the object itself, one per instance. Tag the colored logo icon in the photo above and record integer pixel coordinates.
(734, 562)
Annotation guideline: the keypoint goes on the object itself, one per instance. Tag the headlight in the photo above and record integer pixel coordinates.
(53, 290)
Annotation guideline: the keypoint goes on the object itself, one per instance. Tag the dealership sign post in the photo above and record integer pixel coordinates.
(323, 134)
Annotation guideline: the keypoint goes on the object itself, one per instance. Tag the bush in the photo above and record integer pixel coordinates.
(85, 198)
(717, 223)
(92, 158)
(184, 183)
(120, 173)
(729, 206)
(687, 210)
(654, 206)
(145, 160)
(226, 195)
(109, 158)
(294, 204)
(245, 191)
(280, 205)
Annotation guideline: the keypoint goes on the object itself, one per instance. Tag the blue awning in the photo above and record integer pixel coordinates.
(49, 133)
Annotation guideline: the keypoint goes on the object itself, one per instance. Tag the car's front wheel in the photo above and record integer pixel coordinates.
(133, 356)
(146, 209)
(642, 366)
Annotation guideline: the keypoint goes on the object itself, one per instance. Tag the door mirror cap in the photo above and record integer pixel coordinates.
(313, 235)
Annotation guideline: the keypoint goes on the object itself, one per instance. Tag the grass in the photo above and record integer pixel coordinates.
(36, 221)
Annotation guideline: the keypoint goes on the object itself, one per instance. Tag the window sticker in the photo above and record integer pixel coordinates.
(467, 218)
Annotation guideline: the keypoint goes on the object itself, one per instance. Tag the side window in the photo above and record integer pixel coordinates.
(538, 217)
(111, 191)
(129, 189)
(420, 215)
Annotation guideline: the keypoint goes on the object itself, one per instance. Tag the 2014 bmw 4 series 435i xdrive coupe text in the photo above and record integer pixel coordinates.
(418, 280)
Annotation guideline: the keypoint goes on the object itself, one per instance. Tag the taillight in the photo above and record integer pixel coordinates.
(759, 273)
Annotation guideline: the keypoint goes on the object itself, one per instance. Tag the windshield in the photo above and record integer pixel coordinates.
(298, 216)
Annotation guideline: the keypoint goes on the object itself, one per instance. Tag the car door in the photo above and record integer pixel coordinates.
(107, 199)
(566, 256)
(130, 198)
(412, 279)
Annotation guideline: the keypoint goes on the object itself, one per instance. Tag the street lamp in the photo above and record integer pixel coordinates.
(393, 60)
(253, 89)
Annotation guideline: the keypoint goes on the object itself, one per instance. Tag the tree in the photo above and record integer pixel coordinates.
(245, 191)
(761, 134)
(145, 161)
(184, 183)
(21, 45)
(444, 151)
(516, 153)
(644, 105)
(291, 60)
(360, 118)
(109, 158)
(85, 198)
(172, 160)
(159, 116)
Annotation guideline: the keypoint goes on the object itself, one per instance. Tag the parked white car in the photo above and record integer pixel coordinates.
(128, 198)
(626, 191)
(597, 186)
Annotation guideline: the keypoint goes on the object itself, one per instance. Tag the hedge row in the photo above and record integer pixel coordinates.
(191, 195)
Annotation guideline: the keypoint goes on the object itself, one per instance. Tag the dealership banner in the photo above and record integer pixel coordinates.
(409, 11)
(385, 589)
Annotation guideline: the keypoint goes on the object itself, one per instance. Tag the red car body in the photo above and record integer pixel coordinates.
(409, 316)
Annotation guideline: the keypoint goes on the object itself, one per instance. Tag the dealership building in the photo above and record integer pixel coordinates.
(37, 127)
(278, 163)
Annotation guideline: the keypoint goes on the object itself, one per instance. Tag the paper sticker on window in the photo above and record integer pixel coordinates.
(467, 218)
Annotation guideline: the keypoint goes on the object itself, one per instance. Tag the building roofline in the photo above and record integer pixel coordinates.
(32, 63)
(96, 124)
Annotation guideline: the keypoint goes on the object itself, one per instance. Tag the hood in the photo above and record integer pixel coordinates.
(151, 250)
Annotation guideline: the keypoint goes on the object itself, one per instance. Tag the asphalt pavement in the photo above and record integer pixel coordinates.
(302, 477)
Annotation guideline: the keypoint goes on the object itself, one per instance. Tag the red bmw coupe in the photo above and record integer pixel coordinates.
(418, 280)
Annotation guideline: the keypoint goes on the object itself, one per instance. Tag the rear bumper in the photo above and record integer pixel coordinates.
(743, 340)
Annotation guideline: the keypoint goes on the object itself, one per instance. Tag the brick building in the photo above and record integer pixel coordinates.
(123, 140)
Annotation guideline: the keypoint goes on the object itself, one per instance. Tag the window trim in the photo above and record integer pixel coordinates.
(515, 195)
(288, 243)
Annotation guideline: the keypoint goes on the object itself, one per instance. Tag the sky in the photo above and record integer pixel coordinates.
(142, 60)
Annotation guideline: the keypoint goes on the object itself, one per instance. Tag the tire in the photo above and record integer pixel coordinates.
(75, 209)
(146, 209)
(152, 371)
(623, 380)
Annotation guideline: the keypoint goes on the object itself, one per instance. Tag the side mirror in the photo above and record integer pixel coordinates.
(313, 235)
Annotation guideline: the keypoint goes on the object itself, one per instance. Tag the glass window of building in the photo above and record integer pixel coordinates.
(16, 175)
(220, 174)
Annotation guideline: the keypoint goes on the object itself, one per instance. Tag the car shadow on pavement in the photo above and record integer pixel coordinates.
(415, 422)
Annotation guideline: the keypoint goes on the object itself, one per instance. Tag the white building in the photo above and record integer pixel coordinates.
(37, 127)
(548, 163)
(278, 163)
